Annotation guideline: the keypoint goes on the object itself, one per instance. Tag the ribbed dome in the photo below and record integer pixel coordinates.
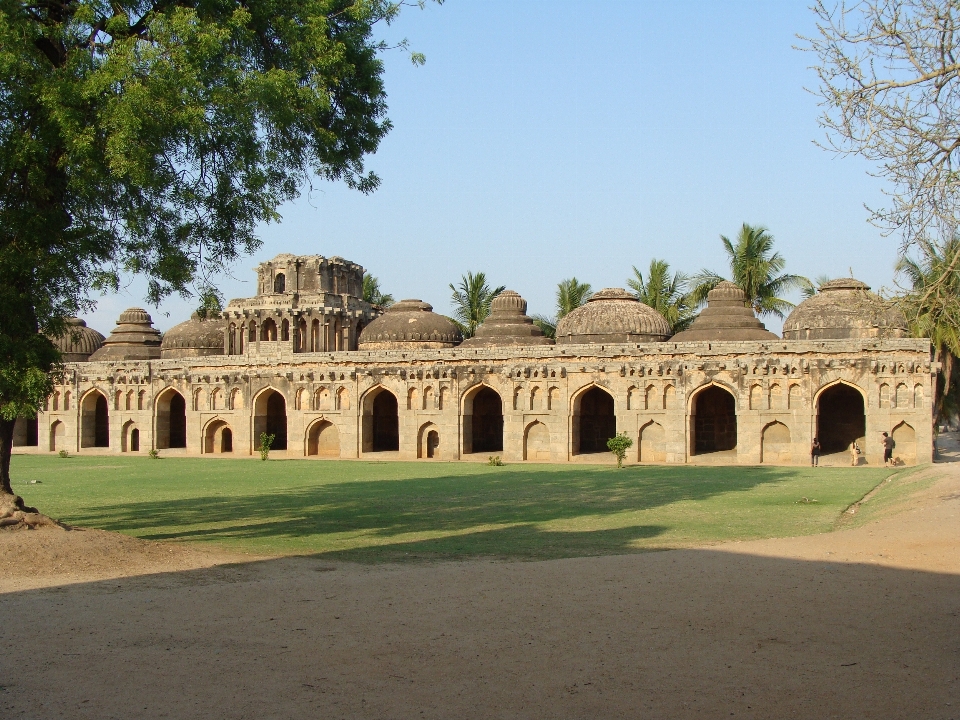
(612, 315)
(134, 338)
(507, 324)
(409, 323)
(844, 309)
(78, 342)
(727, 316)
(194, 338)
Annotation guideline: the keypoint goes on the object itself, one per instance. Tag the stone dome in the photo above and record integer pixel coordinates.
(409, 324)
(841, 310)
(78, 342)
(612, 315)
(134, 338)
(197, 337)
(507, 324)
(727, 316)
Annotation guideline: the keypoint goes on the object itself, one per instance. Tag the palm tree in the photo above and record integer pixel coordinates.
(933, 308)
(571, 294)
(665, 293)
(755, 269)
(372, 293)
(813, 287)
(471, 302)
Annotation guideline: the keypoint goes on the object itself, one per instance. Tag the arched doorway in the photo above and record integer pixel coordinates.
(270, 417)
(483, 421)
(714, 421)
(218, 438)
(381, 421)
(594, 422)
(840, 418)
(58, 436)
(323, 440)
(652, 439)
(536, 442)
(171, 420)
(428, 442)
(94, 421)
(775, 445)
(905, 443)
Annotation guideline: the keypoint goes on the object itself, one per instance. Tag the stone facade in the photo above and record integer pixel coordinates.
(718, 401)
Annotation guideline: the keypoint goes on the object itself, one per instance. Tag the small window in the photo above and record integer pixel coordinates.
(279, 283)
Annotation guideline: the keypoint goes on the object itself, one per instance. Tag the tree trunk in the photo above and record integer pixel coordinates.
(6, 447)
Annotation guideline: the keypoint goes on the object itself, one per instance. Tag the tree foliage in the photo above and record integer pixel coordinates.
(471, 301)
(618, 445)
(373, 294)
(756, 269)
(889, 89)
(665, 293)
(571, 294)
(152, 137)
(932, 306)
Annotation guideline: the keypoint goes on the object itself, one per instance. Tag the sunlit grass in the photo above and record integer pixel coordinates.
(375, 511)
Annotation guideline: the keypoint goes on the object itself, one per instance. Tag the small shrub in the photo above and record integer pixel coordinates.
(495, 461)
(63, 454)
(153, 454)
(618, 445)
(266, 442)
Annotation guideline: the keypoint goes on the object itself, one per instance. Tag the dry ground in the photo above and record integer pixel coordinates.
(859, 623)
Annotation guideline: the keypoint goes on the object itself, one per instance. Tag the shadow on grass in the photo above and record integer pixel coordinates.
(478, 512)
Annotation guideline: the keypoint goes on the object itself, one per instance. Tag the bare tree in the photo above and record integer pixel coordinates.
(889, 90)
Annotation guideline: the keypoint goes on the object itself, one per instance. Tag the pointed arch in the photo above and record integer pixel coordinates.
(323, 439)
(536, 442)
(380, 431)
(270, 417)
(775, 444)
(651, 445)
(170, 410)
(482, 419)
(905, 443)
(713, 419)
(428, 441)
(594, 419)
(94, 419)
(841, 416)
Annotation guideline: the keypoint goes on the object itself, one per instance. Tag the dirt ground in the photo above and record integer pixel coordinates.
(859, 623)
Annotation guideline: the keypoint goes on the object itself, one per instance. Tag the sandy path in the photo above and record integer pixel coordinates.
(861, 623)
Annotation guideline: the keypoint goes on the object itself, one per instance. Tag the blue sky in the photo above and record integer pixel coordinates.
(550, 139)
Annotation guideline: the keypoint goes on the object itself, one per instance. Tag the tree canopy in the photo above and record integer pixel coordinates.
(471, 300)
(665, 293)
(373, 294)
(756, 269)
(152, 137)
(571, 294)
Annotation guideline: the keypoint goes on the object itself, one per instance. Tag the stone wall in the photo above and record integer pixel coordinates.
(658, 390)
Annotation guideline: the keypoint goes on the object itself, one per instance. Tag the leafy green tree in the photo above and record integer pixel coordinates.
(152, 137)
(756, 269)
(932, 307)
(665, 293)
(471, 301)
(571, 294)
(372, 293)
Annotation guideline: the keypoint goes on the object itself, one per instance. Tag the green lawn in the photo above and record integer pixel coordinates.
(370, 511)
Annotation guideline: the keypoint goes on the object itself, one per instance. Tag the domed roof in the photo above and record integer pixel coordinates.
(78, 342)
(612, 315)
(727, 316)
(197, 337)
(844, 309)
(507, 324)
(409, 323)
(134, 338)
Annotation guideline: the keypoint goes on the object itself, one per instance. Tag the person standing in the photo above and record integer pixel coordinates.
(815, 453)
(854, 454)
(887, 450)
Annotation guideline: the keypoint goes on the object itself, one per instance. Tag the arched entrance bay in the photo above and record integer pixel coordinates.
(594, 421)
(323, 440)
(171, 420)
(270, 417)
(381, 421)
(840, 418)
(218, 438)
(94, 421)
(483, 421)
(714, 421)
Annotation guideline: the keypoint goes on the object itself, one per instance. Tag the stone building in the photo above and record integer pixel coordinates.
(330, 376)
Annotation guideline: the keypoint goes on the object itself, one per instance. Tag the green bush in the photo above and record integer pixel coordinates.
(266, 442)
(618, 445)
(495, 461)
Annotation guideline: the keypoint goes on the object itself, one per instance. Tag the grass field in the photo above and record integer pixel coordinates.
(371, 511)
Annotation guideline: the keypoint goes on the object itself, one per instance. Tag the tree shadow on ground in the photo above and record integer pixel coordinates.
(482, 506)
